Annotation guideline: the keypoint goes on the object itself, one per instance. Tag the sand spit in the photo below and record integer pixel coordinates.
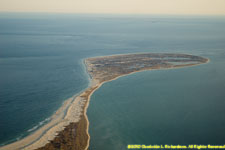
(68, 128)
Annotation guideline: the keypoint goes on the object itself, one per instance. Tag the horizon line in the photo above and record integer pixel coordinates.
(82, 13)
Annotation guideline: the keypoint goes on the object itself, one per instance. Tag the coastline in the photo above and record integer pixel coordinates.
(100, 84)
(58, 122)
(75, 109)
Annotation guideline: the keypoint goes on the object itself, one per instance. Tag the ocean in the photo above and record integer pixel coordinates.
(41, 63)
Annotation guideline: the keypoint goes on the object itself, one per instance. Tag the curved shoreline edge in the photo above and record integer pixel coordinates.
(85, 109)
(74, 109)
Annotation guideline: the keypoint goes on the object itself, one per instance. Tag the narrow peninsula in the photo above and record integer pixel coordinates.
(68, 129)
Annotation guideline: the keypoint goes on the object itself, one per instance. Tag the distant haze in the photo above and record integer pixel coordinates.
(201, 7)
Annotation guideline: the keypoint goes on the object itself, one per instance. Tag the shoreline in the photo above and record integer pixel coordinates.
(100, 84)
(78, 102)
(60, 119)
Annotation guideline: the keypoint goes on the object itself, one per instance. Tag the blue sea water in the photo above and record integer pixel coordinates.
(41, 66)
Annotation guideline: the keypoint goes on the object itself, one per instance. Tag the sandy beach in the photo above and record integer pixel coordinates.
(72, 116)
(74, 108)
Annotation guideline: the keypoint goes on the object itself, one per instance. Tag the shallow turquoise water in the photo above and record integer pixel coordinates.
(41, 66)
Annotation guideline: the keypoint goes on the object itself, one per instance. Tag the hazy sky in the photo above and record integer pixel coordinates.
(203, 7)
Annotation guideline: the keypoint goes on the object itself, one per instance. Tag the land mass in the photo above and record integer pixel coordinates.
(70, 132)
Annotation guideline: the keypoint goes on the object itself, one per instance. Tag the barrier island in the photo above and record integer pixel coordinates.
(68, 128)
